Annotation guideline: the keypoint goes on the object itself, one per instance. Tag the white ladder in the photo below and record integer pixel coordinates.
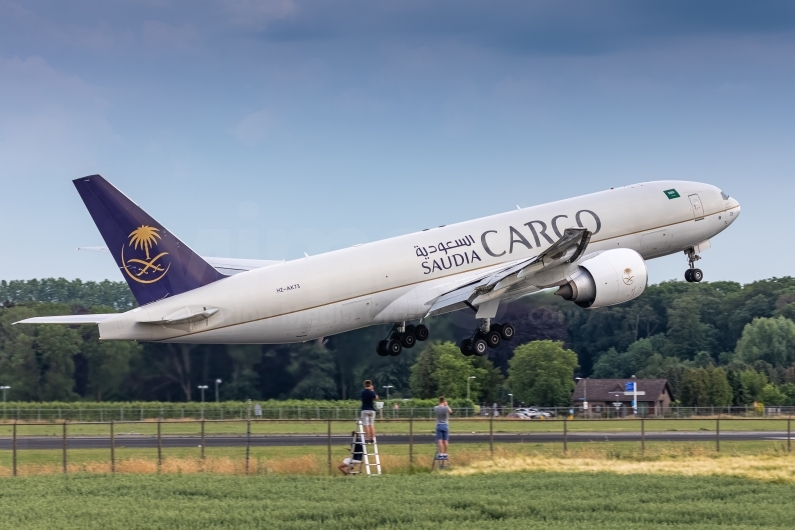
(371, 468)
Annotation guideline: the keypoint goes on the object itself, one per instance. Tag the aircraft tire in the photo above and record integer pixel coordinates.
(394, 347)
(688, 278)
(493, 338)
(407, 339)
(479, 347)
(381, 348)
(421, 332)
(696, 275)
(507, 331)
(466, 347)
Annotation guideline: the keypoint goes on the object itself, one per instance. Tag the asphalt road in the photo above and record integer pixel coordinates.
(148, 441)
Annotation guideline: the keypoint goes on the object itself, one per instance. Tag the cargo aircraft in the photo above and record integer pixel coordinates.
(591, 248)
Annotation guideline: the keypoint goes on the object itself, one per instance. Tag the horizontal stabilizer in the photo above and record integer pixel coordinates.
(68, 319)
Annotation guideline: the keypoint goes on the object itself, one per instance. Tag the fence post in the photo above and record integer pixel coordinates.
(248, 438)
(14, 448)
(642, 435)
(491, 433)
(202, 438)
(328, 444)
(565, 434)
(112, 449)
(789, 434)
(411, 441)
(717, 434)
(159, 447)
(64, 446)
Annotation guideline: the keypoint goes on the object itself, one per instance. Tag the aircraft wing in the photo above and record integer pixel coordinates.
(226, 266)
(516, 278)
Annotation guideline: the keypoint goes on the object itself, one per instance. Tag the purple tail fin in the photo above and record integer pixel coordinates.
(153, 261)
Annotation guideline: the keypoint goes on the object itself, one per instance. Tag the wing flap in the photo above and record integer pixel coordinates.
(494, 285)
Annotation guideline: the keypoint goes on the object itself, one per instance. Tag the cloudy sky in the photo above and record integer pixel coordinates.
(267, 129)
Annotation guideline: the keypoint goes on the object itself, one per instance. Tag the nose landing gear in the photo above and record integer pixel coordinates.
(487, 336)
(693, 275)
(402, 336)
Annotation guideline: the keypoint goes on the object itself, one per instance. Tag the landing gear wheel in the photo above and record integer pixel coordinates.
(421, 332)
(696, 275)
(466, 347)
(382, 348)
(407, 339)
(479, 347)
(689, 275)
(394, 347)
(507, 331)
(493, 338)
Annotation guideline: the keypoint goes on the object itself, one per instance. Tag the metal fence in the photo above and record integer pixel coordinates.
(559, 427)
(193, 411)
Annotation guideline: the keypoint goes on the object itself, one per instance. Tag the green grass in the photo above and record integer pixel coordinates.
(320, 427)
(510, 500)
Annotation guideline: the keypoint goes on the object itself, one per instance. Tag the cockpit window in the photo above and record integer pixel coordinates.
(724, 195)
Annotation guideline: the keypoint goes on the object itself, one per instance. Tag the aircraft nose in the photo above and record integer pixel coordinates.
(734, 203)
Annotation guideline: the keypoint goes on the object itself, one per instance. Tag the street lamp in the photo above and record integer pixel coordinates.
(4, 389)
(584, 394)
(387, 391)
(202, 388)
(468, 380)
(511, 396)
(217, 382)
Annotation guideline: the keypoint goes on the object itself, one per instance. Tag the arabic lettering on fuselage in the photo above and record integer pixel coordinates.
(438, 257)
(434, 263)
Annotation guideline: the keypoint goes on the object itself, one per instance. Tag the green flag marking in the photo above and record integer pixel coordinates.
(671, 194)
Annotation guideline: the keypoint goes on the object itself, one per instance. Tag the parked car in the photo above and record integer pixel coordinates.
(532, 413)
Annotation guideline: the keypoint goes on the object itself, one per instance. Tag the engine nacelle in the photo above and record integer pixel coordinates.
(610, 277)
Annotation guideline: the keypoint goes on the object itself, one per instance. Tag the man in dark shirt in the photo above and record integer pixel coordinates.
(368, 410)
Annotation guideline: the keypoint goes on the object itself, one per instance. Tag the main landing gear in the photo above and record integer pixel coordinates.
(487, 336)
(693, 275)
(402, 336)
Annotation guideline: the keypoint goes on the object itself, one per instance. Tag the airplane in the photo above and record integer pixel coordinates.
(591, 248)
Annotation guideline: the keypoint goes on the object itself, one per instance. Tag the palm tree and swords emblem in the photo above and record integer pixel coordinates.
(144, 238)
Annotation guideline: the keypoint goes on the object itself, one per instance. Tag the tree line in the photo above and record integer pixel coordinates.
(717, 343)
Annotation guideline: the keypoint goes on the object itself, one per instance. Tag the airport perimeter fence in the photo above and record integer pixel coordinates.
(409, 432)
(212, 411)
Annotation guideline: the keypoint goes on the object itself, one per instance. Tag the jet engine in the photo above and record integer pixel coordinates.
(606, 278)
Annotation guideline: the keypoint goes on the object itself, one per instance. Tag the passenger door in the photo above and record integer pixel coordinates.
(698, 209)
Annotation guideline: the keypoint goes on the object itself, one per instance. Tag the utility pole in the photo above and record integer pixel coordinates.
(511, 396)
(387, 390)
(468, 380)
(217, 382)
(4, 389)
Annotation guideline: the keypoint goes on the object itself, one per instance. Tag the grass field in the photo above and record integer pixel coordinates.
(320, 427)
(483, 501)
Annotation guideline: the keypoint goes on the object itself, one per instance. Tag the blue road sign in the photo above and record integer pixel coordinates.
(629, 387)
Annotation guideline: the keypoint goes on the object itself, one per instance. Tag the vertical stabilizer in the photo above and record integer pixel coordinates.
(155, 263)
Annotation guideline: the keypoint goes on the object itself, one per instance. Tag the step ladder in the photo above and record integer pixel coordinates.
(362, 459)
(440, 462)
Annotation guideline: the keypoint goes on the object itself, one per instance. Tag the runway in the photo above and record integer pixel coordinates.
(150, 441)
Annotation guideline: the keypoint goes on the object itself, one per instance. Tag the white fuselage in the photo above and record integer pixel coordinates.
(397, 279)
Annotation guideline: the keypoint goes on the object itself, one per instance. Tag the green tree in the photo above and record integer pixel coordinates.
(704, 387)
(753, 382)
(687, 334)
(108, 363)
(768, 339)
(542, 373)
(772, 396)
(442, 370)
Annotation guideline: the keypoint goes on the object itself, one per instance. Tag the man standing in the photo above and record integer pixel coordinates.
(442, 411)
(368, 411)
